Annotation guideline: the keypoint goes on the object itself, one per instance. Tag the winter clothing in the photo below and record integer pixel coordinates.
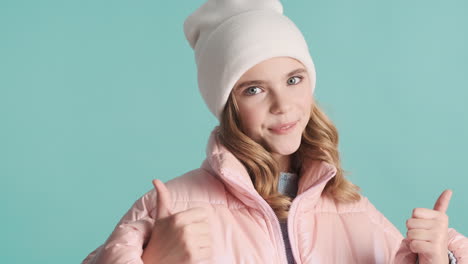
(287, 185)
(229, 37)
(245, 228)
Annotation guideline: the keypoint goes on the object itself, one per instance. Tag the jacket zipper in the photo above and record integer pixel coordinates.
(291, 216)
(278, 234)
(290, 221)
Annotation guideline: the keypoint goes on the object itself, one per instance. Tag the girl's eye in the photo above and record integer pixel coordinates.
(251, 90)
(255, 90)
(292, 78)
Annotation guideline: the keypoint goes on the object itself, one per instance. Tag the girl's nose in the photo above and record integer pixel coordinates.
(281, 104)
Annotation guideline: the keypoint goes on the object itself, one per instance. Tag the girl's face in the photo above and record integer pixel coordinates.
(274, 99)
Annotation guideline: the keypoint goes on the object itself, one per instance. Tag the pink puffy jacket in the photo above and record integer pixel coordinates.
(246, 230)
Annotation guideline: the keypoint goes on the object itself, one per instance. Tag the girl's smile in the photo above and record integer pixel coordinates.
(284, 128)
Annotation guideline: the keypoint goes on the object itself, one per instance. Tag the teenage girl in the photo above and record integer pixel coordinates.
(271, 189)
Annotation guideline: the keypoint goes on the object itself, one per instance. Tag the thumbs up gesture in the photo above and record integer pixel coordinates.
(428, 231)
(183, 237)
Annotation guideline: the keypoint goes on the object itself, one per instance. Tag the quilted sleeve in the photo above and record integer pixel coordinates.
(130, 235)
(389, 237)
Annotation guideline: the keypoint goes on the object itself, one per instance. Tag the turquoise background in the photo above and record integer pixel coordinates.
(97, 98)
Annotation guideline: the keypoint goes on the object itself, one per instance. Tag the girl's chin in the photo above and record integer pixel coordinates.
(282, 145)
(284, 150)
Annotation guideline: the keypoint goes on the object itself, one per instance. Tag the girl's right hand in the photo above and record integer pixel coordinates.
(183, 237)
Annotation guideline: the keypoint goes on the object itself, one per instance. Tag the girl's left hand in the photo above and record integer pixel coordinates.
(428, 231)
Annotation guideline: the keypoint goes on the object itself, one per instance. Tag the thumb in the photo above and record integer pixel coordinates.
(443, 201)
(163, 200)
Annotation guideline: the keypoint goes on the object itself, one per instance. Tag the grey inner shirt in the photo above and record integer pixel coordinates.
(287, 185)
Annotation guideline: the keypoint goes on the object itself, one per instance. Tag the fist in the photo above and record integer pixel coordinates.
(183, 237)
(428, 231)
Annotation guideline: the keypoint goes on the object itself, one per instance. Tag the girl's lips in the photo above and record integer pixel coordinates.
(283, 128)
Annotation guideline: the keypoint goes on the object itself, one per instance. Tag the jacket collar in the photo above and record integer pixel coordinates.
(314, 174)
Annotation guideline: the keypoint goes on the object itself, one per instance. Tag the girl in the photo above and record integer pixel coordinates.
(271, 189)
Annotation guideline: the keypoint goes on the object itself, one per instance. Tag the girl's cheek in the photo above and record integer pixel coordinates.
(305, 98)
(251, 120)
(247, 114)
(254, 121)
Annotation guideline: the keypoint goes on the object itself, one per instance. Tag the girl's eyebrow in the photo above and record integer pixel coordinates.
(258, 82)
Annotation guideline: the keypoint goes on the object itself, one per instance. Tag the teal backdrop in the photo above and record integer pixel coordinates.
(97, 98)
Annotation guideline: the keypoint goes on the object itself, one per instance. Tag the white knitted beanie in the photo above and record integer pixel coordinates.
(231, 36)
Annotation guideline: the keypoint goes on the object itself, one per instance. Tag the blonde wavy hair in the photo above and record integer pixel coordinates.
(319, 142)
